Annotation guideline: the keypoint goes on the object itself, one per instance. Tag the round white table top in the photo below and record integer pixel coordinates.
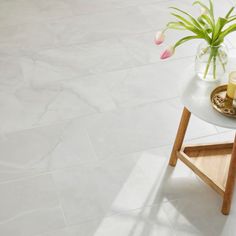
(195, 96)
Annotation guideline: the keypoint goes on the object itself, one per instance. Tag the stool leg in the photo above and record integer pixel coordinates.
(229, 189)
(180, 136)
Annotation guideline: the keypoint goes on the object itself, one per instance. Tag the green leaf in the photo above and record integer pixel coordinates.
(193, 29)
(201, 21)
(227, 31)
(207, 19)
(229, 12)
(189, 26)
(175, 25)
(219, 26)
(209, 30)
(231, 19)
(191, 18)
(183, 19)
(185, 39)
(202, 5)
(212, 10)
(208, 27)
(197, 27)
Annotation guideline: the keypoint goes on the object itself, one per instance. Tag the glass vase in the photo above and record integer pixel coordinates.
(211, 62)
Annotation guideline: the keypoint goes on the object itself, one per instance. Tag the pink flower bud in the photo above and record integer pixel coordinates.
(159, 38)
(168, 52)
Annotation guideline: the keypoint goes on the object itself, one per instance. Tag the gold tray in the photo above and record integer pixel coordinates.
(221, 102)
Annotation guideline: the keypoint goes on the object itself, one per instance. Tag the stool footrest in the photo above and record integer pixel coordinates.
(210, 162)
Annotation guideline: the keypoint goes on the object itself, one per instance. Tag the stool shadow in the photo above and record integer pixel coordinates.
(189, 208)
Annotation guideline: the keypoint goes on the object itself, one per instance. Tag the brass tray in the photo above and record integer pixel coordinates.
(221, 102)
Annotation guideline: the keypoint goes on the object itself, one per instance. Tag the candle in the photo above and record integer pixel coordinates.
(231, 89)
(234, 100)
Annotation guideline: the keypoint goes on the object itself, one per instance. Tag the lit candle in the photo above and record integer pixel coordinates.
(231, 89)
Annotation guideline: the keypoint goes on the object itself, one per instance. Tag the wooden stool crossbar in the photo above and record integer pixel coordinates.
(215, 164)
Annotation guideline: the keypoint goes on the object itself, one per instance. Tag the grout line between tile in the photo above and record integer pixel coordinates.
(64, 121)
(50, 172)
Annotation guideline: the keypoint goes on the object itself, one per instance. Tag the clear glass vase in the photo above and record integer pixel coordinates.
(211, 62)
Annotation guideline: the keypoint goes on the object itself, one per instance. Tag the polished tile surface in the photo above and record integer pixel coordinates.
(88, 114)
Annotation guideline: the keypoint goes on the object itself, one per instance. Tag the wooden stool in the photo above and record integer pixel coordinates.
(215, 164)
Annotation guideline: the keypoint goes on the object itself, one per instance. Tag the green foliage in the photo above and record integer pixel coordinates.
(206, 27)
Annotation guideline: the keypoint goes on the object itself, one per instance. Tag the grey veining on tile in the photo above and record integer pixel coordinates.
(29, 206)
(44, 149)
(24, 11)
(89, 58)
(16, 199)
(30, 94)
(135, 129)
(86, 229)
(129, 184)
(127, 88)
(34, 223)
(99, 26)
(26, 39)
(88, 115)
(93, 6)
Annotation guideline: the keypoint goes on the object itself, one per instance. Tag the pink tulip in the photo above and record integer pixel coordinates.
(159, 38)
(168, 52)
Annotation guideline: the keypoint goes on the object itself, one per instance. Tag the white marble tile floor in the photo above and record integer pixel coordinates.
(88, 114)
